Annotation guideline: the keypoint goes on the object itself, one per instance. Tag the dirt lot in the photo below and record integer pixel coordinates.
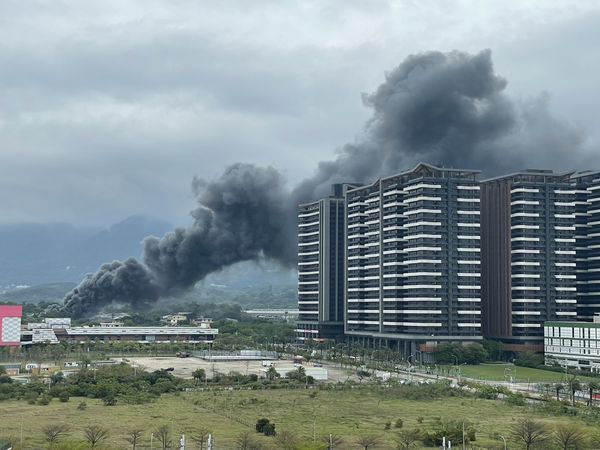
(183, 367)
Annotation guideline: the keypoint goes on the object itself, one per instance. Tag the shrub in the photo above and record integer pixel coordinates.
(110, 401)
(388, 425)
(260, 424)
(43, 400)
(399, 423)
(64, 396)
(82, 406)
(515, 399)
(269, 429)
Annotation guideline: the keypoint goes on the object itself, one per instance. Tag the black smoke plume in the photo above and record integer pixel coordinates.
(242, 216)
(448, 109)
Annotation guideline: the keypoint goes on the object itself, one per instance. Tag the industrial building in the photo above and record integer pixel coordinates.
(321, 255)
(528, 255)
(413, 259)
(59, 330)
(138, 334)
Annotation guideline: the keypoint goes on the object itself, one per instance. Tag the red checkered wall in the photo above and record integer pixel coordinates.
(10, 325)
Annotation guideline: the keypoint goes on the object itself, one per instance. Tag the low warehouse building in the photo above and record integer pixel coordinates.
(138, 334)
(53, 332)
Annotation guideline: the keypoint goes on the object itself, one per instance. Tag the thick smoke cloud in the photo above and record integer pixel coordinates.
(448, 109)
(242, 216)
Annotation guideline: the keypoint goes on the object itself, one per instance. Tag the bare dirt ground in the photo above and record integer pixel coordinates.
(183, 367)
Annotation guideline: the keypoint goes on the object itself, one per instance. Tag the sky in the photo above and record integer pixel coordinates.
(110, 108)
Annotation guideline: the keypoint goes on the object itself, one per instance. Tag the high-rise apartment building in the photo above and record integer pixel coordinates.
(413, 259)
(321, 258)
(587, 235)
(528, 254)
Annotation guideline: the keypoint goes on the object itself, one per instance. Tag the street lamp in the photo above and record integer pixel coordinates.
(503, 440)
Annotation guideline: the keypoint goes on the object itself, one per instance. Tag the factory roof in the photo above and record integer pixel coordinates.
(119, 331)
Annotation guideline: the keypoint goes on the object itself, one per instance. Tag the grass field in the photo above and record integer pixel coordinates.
(502, 372)
(349, 413)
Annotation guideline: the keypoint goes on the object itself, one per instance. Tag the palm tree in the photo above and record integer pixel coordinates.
(94, 435)
(558, 387)
(53, 433)
(575, 386)
(592, 387)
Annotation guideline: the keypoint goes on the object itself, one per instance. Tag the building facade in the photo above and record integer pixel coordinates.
(413, 259)
(572, 344)
(321, 258)
(528, 255)
(587, 236)
(10, 325)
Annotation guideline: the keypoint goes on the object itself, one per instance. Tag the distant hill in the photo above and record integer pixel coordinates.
(46, 253)
(51, 292)
(248, 297)
(42, 262)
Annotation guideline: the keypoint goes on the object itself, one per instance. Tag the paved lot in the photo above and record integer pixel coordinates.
(183, 367)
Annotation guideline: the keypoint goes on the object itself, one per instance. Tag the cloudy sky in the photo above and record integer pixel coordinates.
(110, 108)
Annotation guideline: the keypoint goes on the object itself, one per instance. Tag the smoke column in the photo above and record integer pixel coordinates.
(242, 216)
(444, 108)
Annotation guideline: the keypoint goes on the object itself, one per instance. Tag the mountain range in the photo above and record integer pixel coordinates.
(41, 262)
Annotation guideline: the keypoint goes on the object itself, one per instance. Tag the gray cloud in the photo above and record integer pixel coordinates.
(115, 104)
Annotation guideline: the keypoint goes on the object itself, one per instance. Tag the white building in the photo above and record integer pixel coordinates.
(574, 344)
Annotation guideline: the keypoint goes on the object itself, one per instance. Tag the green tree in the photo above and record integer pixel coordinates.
(56, 378)
(199, 375)
(260, 424)
(63, 396)
(272, 373)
